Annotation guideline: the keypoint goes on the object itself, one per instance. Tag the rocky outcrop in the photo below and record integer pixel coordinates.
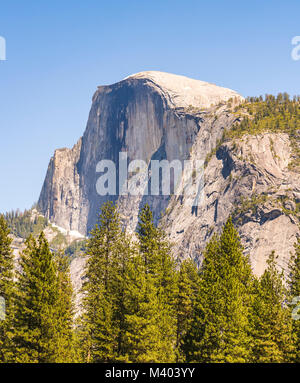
(57, 237)
(154, 115)
(60, 199)
(150, 115)
(250, 179)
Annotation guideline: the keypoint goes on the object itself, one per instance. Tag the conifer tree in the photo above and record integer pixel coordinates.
(294, 299)
(220, 327)
(272, 322)
(36, 299)
(159, 263)
(103, 303)
(120, 285)
(64, 336)
(6, 293)
(157, 254)
(188, 285)
(142, 328)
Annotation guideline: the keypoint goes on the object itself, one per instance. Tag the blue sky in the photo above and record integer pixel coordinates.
(58, 52)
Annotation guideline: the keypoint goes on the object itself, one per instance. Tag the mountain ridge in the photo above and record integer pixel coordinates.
(138, 116)
(133, 116)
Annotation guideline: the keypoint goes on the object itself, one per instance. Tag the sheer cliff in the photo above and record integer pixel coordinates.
(150, 115)
(154, 115)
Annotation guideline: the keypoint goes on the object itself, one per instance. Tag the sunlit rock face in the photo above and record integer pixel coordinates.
(250, 180)
(154, 115)
(150, 115)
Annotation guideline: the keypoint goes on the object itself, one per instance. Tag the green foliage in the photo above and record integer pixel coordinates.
(24, 224)
(59, 241)
(142, 336)
(31, 223)
(6, 291)
(249, 204)
(294, 297)
(65, 342)
(129, 292)
(75, 249)
(160, 265)
(274, 114)
(188, 281)
(220, 325)
(42, 302)
(140, 306)
(271, 318)
(103, 302)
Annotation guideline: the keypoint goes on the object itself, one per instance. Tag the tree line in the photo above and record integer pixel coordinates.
(22, 224)
(275, 114)
(140, 305)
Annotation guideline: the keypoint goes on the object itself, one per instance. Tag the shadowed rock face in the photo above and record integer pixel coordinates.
(154, 115)
(144, 115)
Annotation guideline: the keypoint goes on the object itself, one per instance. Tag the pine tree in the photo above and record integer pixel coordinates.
(159, 263)
(148, 239)
(142, 328)
(6, 292)
(103, 303)
(36, 299)
(64, 309)
(220, 326)
(199, 341)
(188, 285)
(272, 322)
(236, 286)
(294, 299)
(119, 290)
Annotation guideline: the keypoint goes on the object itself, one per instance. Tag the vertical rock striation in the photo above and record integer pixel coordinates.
(150, 115)
(154, 115)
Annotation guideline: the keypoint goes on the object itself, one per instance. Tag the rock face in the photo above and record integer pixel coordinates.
(154, 115)
(250, 179)
(60, 198)
(147, 115)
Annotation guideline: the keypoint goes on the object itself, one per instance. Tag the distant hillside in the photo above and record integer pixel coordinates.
(32, 222)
